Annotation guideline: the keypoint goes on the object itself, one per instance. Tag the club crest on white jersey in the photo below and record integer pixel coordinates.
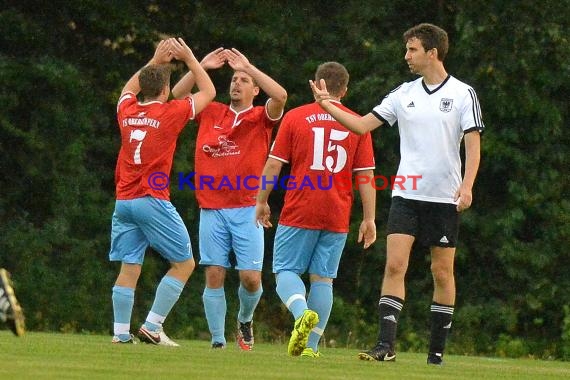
(445, 105)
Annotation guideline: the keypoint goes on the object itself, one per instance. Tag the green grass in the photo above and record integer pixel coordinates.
(68, 356)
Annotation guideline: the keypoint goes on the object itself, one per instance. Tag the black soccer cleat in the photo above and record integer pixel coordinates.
(435, 359)
(381, 352)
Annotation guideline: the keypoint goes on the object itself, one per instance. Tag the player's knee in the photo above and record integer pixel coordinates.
(215, 276)
(251, 281)
(395, 268)
(316, 278)
(442, 274)
(251, 284)
(184, 268)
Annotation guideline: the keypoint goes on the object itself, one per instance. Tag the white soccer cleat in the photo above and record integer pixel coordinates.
(156, 337)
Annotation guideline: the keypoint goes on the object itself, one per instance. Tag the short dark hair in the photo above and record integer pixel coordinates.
(252, 78)
(335, 76)
(431, 36)
(153, 78)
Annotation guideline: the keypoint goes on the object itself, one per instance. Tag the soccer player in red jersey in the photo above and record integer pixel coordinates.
(143, 213)
(232, 146)
(314, 222)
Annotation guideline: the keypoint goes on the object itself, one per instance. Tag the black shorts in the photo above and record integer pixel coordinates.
(432, 224)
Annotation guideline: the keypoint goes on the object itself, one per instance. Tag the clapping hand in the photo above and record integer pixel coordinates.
(236, 60)
(162, 53)
(214, 59)
(180, 50)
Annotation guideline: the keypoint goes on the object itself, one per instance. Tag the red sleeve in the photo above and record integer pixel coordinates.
(281, 149)
(270, 123)
(186, 107)
(126, 100)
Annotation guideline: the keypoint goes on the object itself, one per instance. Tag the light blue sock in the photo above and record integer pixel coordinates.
(123, 301)
(320, 300)
(167, 293)
(247, 303)
(215, 308)
(291, 290)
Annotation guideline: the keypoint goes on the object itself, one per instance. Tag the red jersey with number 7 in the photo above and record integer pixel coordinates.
(323, 156)
(149, 132)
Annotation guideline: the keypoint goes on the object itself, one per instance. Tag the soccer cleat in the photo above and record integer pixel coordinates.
(300, 334)
(156, 337)
(10, 309)
(309, 353)
(435, 359)
(381, 352)
(117, 340)
(244, 336)
(218, 346)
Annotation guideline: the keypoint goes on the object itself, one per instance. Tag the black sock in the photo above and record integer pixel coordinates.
(440, 325)
(389, 308)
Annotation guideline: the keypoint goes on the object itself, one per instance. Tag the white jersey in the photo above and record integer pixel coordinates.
(431, 124)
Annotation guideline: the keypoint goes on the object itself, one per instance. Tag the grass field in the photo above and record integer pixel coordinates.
(67, 356)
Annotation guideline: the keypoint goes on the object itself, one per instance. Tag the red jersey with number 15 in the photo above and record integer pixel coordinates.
(323, 156)
(148, 140)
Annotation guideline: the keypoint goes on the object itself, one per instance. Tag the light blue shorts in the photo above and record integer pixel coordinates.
(302, 250)
(138, 223)
(231, 229)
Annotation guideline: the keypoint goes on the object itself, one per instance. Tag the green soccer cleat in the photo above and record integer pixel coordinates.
(301, 331)
(309, 353)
